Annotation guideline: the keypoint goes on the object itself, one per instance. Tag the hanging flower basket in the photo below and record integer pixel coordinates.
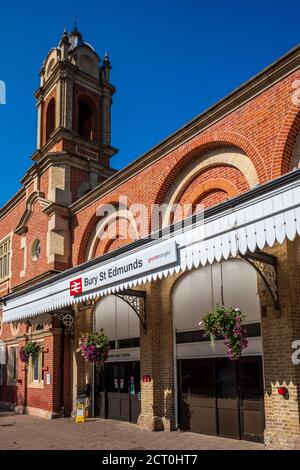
(228, 323)
(31, 349)
(94, 348)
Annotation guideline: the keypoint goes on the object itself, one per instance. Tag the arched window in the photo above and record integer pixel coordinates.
(236, 279)
(85, 120)
(50, 118)
(118, 320)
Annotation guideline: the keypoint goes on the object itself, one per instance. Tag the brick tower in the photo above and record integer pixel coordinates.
(74, 113)
(73, 152)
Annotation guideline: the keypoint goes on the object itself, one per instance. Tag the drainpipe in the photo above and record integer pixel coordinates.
(62, 368)
(25, 387)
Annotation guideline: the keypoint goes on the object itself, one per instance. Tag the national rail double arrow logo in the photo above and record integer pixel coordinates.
(76, 286)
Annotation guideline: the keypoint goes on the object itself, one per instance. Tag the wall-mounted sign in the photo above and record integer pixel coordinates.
(146, 378)
(48, 379)
(117, 355)
(125, 268)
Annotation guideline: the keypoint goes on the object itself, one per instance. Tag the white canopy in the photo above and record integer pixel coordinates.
(259, 218)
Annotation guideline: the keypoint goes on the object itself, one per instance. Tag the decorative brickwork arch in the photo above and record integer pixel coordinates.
(90, 229)
(103, 229)
(203, 144)
(206, 189)
(111, 245)
(210, 198)
(286, 142)
(209, 186)
(224, 157)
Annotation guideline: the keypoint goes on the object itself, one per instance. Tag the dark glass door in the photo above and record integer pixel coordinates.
(252, 404)
(99, 394)
(197, 396)
(117, 391)
(222, 397)
(134, 391)
(227, 398)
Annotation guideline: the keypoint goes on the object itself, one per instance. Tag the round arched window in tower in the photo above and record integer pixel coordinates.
(36, 250)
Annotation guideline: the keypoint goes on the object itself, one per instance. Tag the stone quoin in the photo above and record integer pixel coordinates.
(238, 161)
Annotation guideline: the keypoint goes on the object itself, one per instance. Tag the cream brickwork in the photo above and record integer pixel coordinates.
(282, 414)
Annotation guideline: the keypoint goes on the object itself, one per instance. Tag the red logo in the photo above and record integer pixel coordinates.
(76, 286)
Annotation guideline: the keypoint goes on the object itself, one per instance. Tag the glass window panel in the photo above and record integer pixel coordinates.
(112, 378)
(250, 380)
(226, 378)
(198, 377)
(4, 259)
(135, 372)
(129, 343)
(14, 363)
(42, 366)
(123, 377)
(35, 366)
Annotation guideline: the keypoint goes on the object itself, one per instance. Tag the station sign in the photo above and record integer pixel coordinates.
(125, 268)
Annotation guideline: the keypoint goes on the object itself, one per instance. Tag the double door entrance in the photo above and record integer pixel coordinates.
(222, 397)
(118, 392)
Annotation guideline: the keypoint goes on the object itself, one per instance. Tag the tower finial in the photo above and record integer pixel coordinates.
(75, 24)
(106, 67)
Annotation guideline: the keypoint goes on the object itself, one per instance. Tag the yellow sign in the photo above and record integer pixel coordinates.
(80, 413)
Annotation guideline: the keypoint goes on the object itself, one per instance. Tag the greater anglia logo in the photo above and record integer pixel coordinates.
(76, 286)
(156, 257)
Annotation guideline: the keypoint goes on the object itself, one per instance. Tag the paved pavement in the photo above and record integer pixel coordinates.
(29, 432)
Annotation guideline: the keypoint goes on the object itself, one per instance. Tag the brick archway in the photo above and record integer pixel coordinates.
(285, 143)
(114, 200)
(202, 190)
(206, 143)
(218, 160)
(116, 229)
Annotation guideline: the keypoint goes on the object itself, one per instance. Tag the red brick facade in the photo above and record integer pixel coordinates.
(247, 139)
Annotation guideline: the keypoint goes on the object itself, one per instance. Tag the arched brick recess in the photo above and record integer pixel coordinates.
(207, 190)
(111, 228)
(224, 177)
(285, 142)
(212, 197)
(236, 167)
(205, 143)
(113, 199)
(111, 245)
(48, 99)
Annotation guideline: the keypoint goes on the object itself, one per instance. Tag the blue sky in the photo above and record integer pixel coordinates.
(171, 59)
